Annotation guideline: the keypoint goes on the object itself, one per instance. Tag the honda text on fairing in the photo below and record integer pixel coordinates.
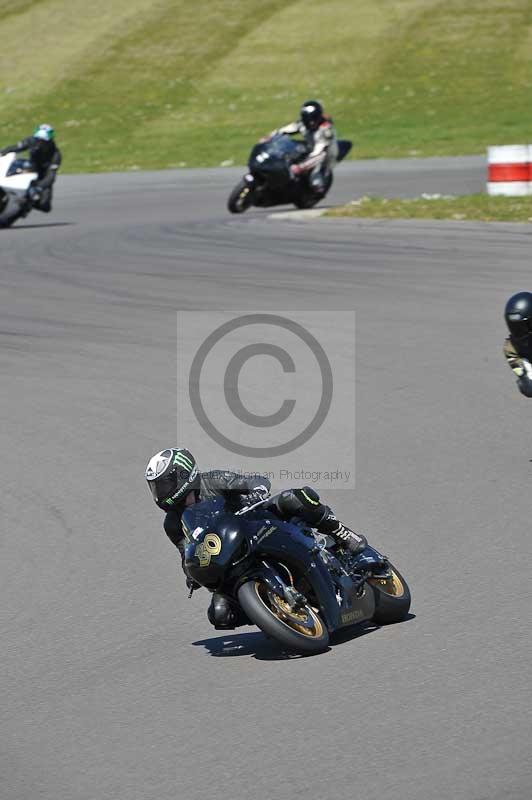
(270, 181)
(284, 578)
(16, 177)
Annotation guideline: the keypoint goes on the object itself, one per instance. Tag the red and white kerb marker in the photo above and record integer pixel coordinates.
(510, 170)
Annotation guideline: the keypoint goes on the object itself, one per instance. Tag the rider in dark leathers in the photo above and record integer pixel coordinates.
(175, 483)
(518, 345)
(45, 158)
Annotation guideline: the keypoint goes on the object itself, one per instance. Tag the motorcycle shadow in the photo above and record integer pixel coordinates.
(19, 227)
(260, 647)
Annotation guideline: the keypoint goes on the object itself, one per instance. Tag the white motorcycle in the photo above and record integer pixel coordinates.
(16, 176)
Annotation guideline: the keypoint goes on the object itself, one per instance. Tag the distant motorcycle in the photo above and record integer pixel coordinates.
(16, 177)
(269, 181)
(295, 584)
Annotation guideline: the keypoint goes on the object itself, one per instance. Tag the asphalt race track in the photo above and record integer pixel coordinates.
(115, 686)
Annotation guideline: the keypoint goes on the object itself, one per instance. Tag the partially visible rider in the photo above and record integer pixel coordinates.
(176, 483)
(318, 132)
(518, 345)
(45, 158)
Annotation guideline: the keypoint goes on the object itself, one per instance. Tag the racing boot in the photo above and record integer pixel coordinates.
(223, 613)
(342, 535)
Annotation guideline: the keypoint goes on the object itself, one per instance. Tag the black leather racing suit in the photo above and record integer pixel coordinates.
(239, 491)
(236, 490)
(46, 159)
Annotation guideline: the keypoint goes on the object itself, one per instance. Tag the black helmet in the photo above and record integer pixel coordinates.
(172, 474)
(518, 315)
(311, 115)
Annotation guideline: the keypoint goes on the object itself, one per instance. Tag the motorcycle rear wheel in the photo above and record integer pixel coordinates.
(300, 630)
(392, 598)
(308, 198)
(240, 198)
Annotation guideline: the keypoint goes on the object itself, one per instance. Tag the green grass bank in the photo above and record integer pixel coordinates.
(146, 84)
(479, 207)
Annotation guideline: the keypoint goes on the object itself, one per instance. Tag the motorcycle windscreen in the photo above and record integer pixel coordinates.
(271, 160)
(19, 165)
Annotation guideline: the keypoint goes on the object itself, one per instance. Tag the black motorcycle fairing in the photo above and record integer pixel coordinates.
(269, 167)
(273, 158)
(211, 553)
(223, 550)
(340, 600)
(201, 514)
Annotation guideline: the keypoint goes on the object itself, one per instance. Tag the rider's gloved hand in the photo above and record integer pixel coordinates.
(295, 170)
(258, 494)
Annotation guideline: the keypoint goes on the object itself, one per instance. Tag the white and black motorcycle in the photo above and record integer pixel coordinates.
(16, 177)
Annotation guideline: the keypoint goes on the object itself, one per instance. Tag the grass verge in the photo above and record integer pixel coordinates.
(156, 83)
(480, 207)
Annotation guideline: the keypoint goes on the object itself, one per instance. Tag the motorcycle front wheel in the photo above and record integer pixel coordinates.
(300, 630)
(240, 198)
(392, 598)
(7, 223)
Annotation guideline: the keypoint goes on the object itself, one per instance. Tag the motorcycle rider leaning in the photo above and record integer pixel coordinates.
(45, 158)
(175, 483)
(319, 134)
(518, 345)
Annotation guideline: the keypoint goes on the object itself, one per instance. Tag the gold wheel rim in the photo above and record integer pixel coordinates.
(392, 585)
(304, 621)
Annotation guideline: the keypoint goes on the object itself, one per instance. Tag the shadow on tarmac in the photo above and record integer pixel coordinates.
(41, 225)
(262, 648)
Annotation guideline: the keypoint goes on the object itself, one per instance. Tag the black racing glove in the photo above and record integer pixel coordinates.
(258, 494)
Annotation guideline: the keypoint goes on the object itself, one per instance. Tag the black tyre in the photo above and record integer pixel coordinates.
(8, 222)
(302, 631)
(392, 598)
(240, 198)
(4, 199)
(307, 200)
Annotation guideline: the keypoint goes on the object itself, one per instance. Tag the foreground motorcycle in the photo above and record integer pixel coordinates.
(16, 176)
(284, 578)
(269, 181)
